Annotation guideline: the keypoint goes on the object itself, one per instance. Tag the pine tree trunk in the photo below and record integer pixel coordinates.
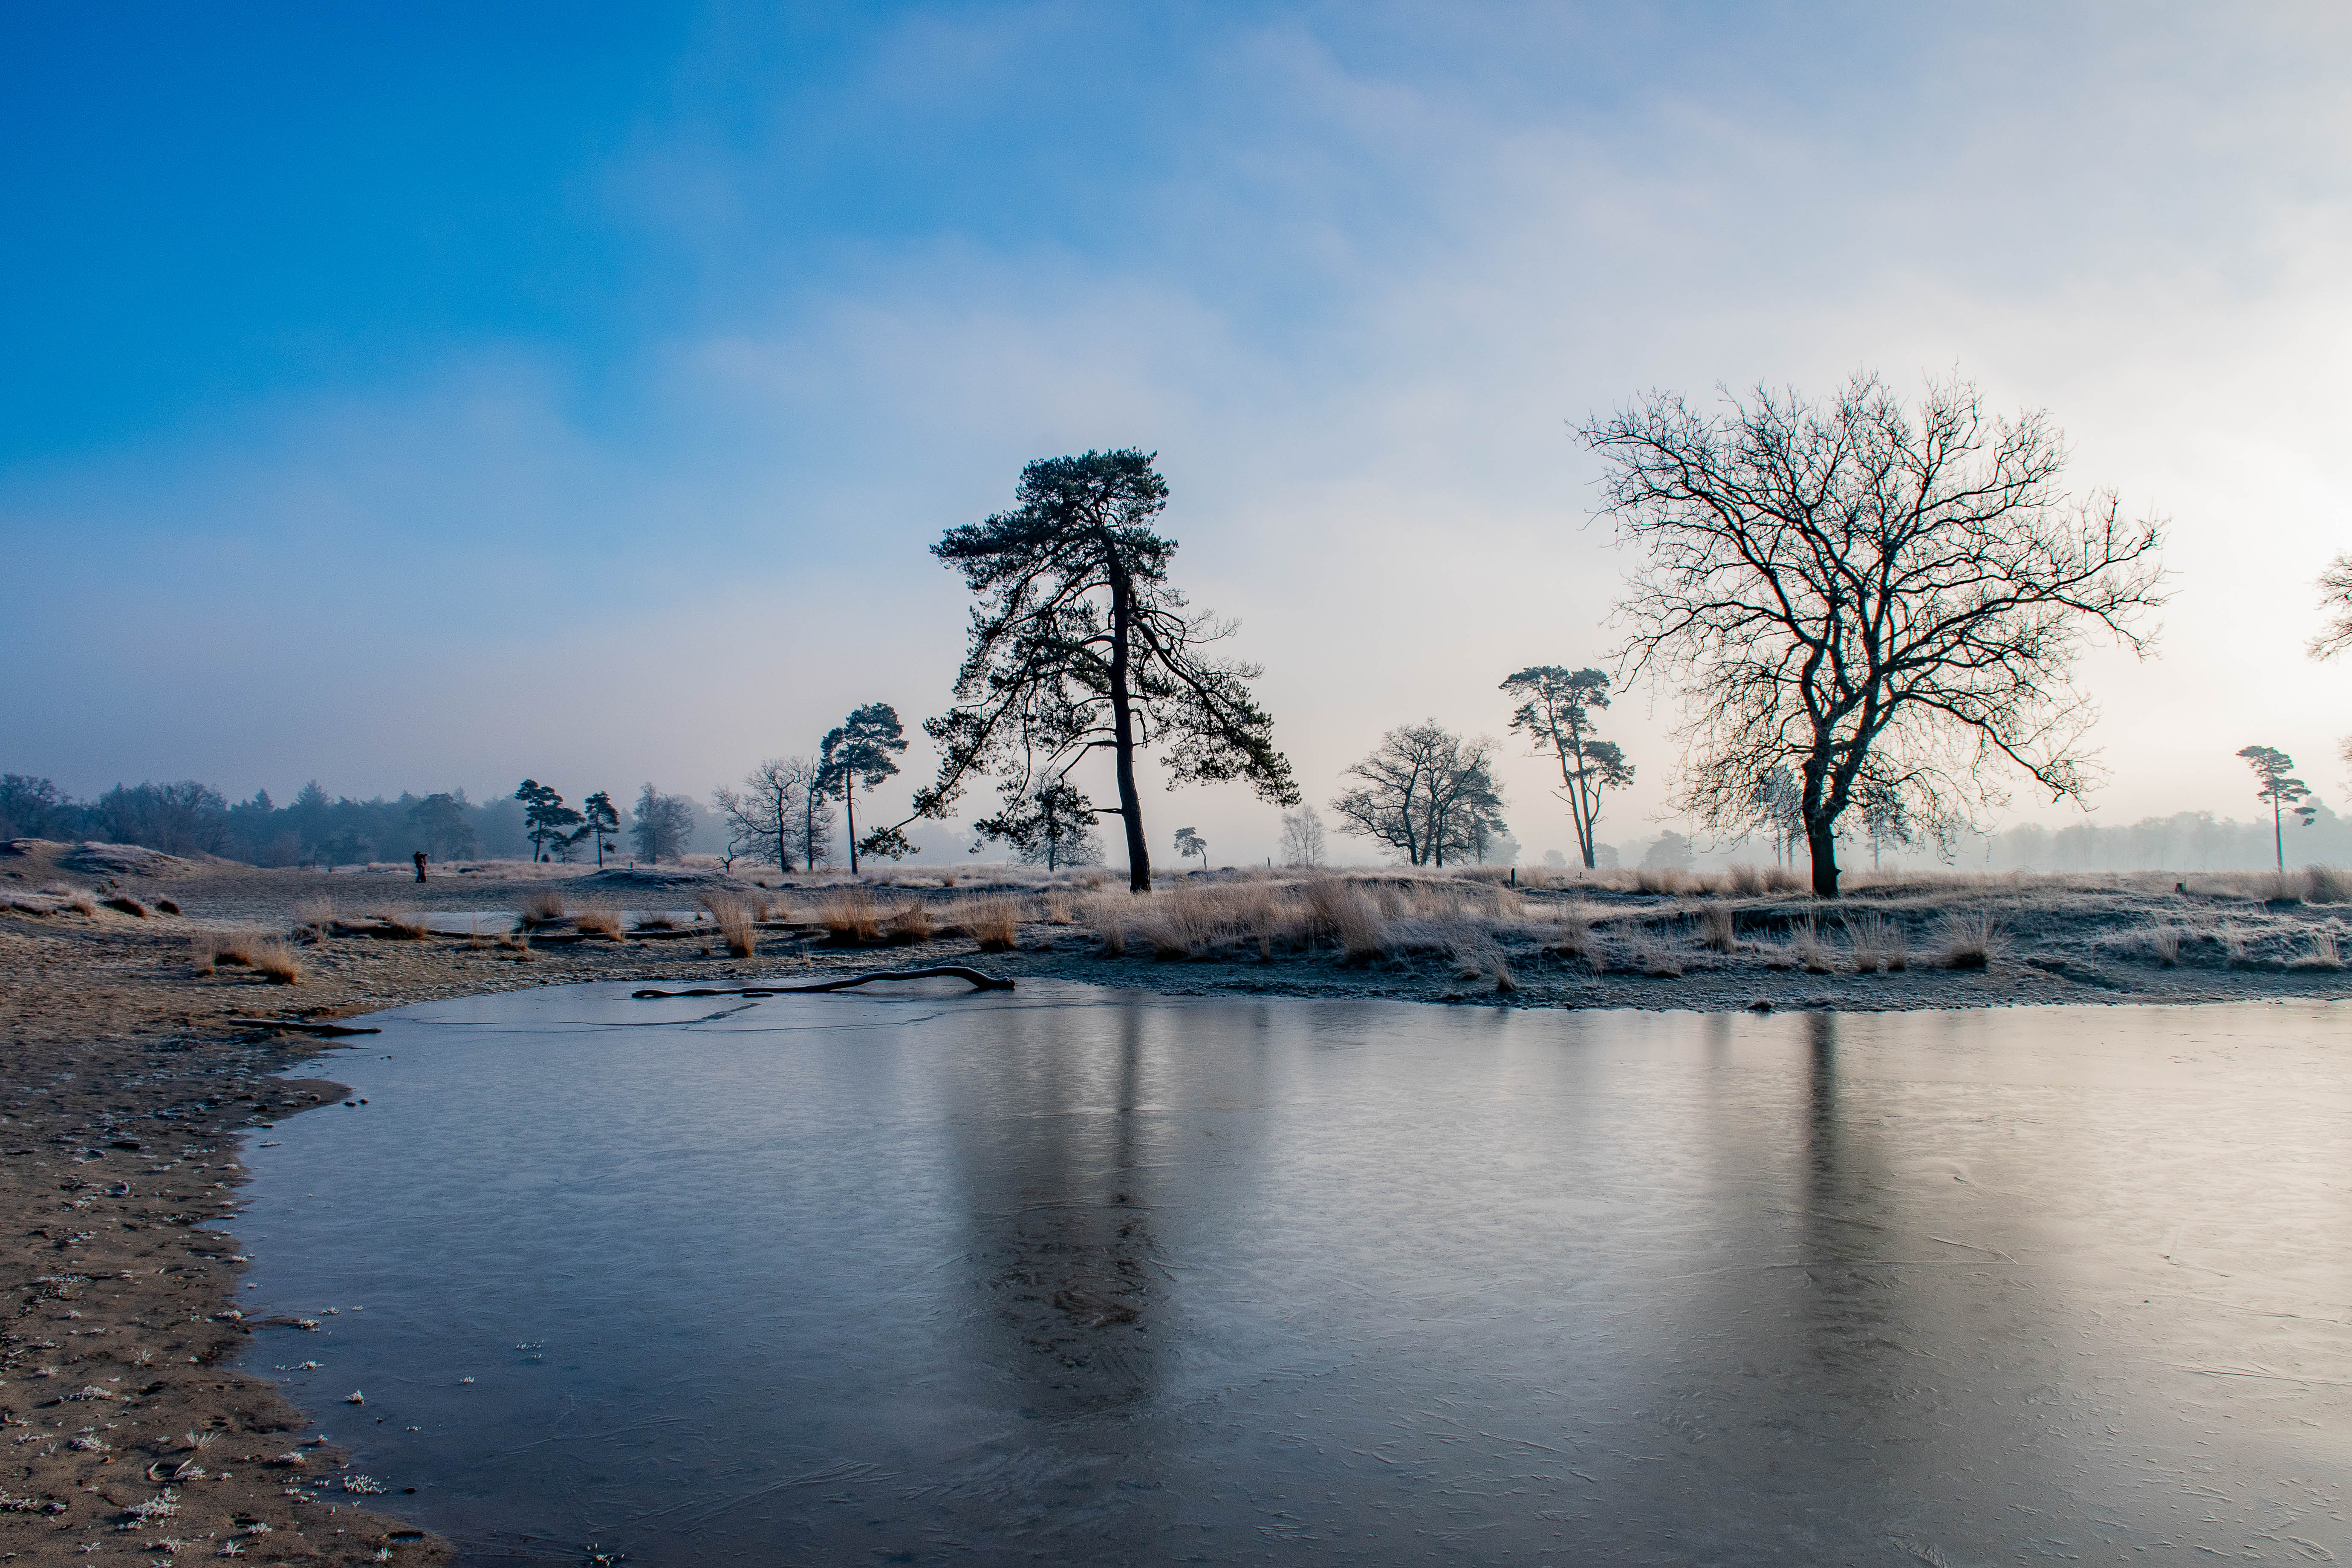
(1122, 719)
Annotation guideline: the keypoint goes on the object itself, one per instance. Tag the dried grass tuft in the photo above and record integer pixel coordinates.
(2325, 885)
(1971, 941)
(992, 922)
(1657, 958)
(2163, 943)
(82, 904)
(2325, 952)
(1808, 951)
(1719, 926)
(1344, 911)
(542, 906)
(203, 951)
(849, 916)
(275, 962)
(1865, 941)
(909, 925)
(597, 919)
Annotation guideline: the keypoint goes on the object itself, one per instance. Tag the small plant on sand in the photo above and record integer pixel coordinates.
(275, 962)
(1969, 940)
(1719, 925)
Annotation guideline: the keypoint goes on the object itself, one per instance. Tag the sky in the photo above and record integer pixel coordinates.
(419, 395)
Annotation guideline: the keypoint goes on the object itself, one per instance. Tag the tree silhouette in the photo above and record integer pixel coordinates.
(1191, 843)
(1877, 601)
(2272, 769)
(1556, 713)
(863, 750)
(1080, 644)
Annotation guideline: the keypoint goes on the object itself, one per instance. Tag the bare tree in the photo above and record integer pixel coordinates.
(1881, 602)
(766, 816)
(1302, 838)
(1080, 644)
(1556, 713)
(1425, 793)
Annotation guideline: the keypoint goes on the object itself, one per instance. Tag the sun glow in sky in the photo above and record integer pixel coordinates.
(426, 395)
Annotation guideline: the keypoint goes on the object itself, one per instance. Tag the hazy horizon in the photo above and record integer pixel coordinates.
(580, 403)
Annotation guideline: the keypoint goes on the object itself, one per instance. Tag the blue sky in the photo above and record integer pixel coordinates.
(417, 395)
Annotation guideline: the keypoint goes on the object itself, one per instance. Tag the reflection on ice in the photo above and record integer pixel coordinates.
(1081, 1276)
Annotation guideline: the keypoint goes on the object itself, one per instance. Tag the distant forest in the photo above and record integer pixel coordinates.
(189, 817)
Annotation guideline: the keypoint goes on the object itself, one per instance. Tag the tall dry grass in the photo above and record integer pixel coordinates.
(850, 916)
(732, 915)
(598, 920)
(542, 906)
(991, 919)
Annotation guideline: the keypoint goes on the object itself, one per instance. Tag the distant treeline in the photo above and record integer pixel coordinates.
(190, 818)
(2185, 841)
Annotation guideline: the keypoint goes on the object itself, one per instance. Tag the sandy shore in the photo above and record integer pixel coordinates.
(128, 1081)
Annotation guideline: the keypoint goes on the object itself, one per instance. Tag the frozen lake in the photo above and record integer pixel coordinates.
(1073, 1275)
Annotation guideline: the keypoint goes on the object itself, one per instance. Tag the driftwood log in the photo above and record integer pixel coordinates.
(980, 982)
(296, 1025)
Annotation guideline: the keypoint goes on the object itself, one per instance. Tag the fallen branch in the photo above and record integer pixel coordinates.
(297, 1026)
(980, 982)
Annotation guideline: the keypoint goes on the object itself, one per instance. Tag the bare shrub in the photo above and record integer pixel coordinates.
(1719, 926)
(597, 919)
(2324, 953)
(995, 922)
(911, 925)
(2325, 885)
(275, 962)
(1971, 941)
(542, 906)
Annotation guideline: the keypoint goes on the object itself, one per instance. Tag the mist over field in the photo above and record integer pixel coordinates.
(582, 404)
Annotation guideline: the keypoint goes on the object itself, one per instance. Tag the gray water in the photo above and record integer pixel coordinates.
(1076, 1276)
